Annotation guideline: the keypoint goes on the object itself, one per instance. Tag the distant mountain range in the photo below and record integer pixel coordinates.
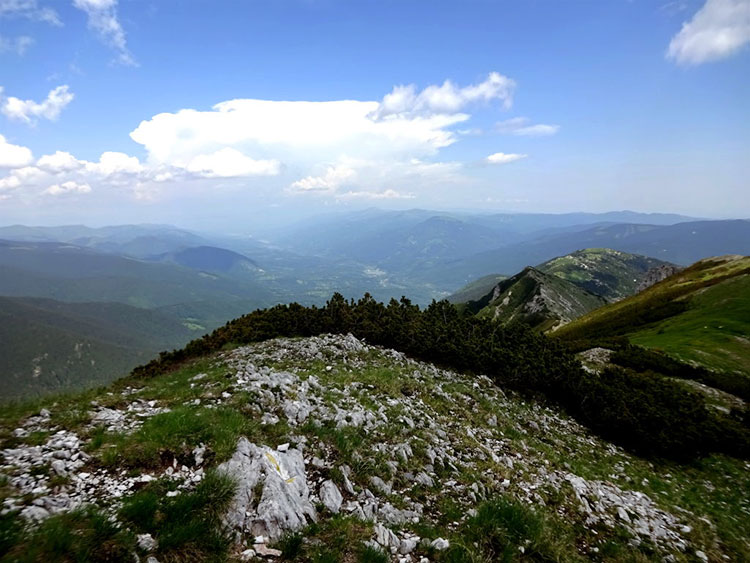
(681, 244)
(189, 283)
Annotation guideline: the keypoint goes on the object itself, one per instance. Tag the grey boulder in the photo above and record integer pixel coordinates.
(284, 500)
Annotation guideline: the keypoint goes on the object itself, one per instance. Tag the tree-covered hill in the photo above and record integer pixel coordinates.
(50, 346)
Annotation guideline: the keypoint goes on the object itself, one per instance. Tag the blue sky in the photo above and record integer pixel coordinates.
(174, 111)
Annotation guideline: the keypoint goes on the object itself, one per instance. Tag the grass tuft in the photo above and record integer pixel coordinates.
(82, 535)
(187, 526)
(177, 432)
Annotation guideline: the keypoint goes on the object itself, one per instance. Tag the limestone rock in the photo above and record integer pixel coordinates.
(146, 542)
(330, 496)
(440, 544)
(284, 503)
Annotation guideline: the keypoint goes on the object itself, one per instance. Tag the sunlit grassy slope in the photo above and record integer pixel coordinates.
(700, 315)
(715, 331)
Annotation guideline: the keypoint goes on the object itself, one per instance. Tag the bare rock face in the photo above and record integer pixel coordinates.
(272, 495)
(655, 275)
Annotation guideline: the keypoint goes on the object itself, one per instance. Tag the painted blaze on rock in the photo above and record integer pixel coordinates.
(272, 492)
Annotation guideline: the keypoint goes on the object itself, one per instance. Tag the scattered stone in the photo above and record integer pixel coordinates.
(380, 485)
(264, 551)
(146, 542)
(440, 544)
(330, 496)
(385, 536)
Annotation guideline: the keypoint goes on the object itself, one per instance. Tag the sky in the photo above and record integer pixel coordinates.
(218, 114)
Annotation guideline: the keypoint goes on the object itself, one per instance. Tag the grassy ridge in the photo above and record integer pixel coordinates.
(701, 315)
(713, 331)
(610, 273)
(645, 412)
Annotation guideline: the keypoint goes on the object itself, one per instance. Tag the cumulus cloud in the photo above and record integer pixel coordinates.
(521, 126)
(231, 163)
(13, 156)
(29, 9)
(68, 187)
(332, 180)
(244, 137)
(102, 19)
(113, 163)
(504, 158)
(18, 177)
(63, 173)
(718, 30)
(61, 161)
(447, 98)
(17, 45)
(340, 149)
(30, 111)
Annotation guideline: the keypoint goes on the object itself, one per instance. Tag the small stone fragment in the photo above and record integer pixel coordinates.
(440, 544)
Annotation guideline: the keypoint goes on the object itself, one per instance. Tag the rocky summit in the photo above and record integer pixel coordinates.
(330, 449)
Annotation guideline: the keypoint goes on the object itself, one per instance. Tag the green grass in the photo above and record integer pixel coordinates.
(187, 527)
(176, 433)
(505, 530)
(336, 540)
(83, 535)
(714, 331)
(700, 315)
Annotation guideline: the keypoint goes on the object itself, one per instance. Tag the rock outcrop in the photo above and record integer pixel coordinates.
(272, 496)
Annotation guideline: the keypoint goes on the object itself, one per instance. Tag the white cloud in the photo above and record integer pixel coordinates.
(504, 158)
(102, 18)
(17, 45)
(334, 177)
(13, 156)
(520, 126)
(719, 29)
(29, 110)
(447, 98)
(59, 162)
(311, 131)
(231, 163)
(114, 163)
(28, 9)
(68, 187)
(9, 183)
(339, 149)
(387, 194)
(25, 176)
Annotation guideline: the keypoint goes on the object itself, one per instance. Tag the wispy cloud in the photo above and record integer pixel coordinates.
(30, 111)
(446, 98)
(386, 194)
(521, 126)
(718, 30)
(102, 18)
(28, 9)
(17, 45)
(504, 158)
